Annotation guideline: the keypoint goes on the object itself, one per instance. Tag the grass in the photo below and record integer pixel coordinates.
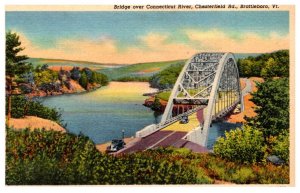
(164, 95)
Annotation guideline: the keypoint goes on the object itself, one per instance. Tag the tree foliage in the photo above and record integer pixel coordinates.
(49, 157)
(267, 65)
(167, 77)
(241, 145)
(272, 100)
(83, 81)
(15, 63)
(44, 76)
(21, 106)
(280, 146)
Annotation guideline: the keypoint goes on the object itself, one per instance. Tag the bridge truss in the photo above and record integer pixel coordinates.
(208, 81)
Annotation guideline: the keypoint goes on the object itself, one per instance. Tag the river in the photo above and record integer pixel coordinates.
(103, 114)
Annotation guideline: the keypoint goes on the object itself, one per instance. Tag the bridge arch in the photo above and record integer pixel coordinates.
(209, 81)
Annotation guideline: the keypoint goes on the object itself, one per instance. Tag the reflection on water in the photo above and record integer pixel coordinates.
(103, 113)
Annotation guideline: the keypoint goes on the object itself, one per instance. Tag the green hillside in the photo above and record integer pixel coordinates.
(60, 62)
(139, 69)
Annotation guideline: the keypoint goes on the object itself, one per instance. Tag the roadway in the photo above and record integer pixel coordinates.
(248, 87)
(163, 138)
(172, 135)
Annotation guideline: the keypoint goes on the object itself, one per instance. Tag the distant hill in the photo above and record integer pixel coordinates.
(139, 69)
(61, 62)
(116, 71)
(245, 55)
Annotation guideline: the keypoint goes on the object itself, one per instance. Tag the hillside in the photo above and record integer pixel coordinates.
(128, 72)
(139, 70)
(61, 62)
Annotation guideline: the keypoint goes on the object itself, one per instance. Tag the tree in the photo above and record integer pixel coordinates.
(75, 73)
(167, 77)
(83, 81)
(16, 65)
(94, 77)
(156, 104)
(272, 100)
(270, 69)
(241, 145)
(275, 64)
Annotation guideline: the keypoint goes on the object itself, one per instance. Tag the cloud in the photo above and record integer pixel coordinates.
(216, 40)
(106, 50)
(156, 46)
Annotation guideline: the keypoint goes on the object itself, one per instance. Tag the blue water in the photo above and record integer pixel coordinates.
(99, 118)
(102, 118)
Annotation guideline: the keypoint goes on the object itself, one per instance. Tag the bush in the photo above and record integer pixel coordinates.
(280, 146)
(241, 145)
(20, 107)
(50, 157)
(243, 176)
(218, 168)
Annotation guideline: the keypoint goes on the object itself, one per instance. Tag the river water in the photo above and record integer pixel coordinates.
(103, 114)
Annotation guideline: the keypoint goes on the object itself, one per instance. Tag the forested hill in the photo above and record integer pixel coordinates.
(275, 64)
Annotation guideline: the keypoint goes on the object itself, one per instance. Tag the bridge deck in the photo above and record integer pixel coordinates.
(157, 139)
(177, 126)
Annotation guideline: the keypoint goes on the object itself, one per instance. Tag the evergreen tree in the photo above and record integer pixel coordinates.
(83, 81)
(16, 65)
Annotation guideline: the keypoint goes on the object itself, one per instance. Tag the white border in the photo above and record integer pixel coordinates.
(125, 189)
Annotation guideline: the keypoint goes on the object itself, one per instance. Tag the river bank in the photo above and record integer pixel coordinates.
(74, 89)
(233, 118)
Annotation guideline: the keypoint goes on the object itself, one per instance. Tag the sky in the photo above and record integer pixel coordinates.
(134, 37)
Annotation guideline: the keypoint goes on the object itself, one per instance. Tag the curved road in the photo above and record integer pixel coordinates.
(248, 87)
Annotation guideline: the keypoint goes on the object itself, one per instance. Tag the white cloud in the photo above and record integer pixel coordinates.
(159, 47)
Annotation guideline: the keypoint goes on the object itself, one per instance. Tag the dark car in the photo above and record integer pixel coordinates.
(184, 119)
(116, 145)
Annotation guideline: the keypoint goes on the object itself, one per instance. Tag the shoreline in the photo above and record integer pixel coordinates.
(233, 118)
(55, 94)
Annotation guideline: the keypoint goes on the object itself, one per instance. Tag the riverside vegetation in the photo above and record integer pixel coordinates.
(51, 157)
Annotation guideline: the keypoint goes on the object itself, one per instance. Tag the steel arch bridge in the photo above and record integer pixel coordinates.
(208, 81)
(207, 87)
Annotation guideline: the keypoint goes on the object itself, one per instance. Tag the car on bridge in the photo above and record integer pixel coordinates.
(116, 145)
(184, 119)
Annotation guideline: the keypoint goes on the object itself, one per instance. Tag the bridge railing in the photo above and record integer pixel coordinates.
(148, 130)
(226, 110)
